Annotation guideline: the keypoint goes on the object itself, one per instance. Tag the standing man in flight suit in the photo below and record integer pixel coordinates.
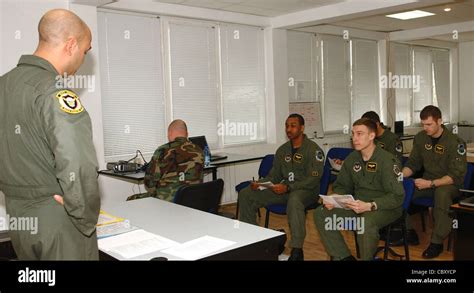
(386, 139)
(296, 174)
(443, 156)
(372, 175)
(47, 158)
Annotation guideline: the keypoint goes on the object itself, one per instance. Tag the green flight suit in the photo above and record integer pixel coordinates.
(46, 149)
(300, 171)
(376, 180)
(446, 158)
(173, 165)
(390, 142)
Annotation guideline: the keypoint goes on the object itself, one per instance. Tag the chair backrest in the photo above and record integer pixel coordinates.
(468, 177)
(204, 196)
(409, 187)
(333, 153)
(265, 166)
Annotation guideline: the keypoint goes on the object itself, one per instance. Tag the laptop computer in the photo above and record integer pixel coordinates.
(202, 143)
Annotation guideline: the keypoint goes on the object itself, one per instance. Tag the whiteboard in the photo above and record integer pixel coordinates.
(311, 112)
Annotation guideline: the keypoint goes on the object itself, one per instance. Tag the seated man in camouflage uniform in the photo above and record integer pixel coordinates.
(174, 164)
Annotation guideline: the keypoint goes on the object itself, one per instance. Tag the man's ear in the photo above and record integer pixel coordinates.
(70, 45)
(440, 121)
(371, 135)
(302, 128)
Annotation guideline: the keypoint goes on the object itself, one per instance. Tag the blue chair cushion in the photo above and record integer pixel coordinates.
(424, 201)
(242, 185)
(277, 208)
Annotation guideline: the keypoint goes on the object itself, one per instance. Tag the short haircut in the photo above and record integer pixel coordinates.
(372, 116)
(178, 125)
(368, 123)
(430, 111)
(295, 115)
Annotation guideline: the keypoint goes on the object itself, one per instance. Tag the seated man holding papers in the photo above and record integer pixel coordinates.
(374, 178)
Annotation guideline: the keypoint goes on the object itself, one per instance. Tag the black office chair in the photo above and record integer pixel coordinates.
(204, 196)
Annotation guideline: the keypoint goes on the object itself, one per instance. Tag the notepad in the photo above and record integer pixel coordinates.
(338, 200)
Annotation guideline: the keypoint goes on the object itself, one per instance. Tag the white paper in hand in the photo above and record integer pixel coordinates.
(338, 200)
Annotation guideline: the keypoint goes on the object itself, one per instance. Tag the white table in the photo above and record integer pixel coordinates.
(182, 224)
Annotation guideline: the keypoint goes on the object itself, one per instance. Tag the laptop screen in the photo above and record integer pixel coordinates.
(200, 141)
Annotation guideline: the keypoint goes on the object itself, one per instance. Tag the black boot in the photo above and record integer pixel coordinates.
(434, 250)
(349, 258)
(296, 254)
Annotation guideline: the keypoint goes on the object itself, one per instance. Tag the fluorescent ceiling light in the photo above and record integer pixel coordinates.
(410, 14)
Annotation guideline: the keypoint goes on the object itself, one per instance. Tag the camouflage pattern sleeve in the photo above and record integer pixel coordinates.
(152, 173)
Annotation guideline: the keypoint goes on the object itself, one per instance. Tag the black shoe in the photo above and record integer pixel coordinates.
(349, 258)
(296, 254)
(396, 238)
(432, 251)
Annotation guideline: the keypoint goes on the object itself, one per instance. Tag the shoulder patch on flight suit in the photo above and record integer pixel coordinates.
(371, 166)
(382, 145)
(357, 167)
(69, 102)
(399, 147)
(298, 157)
(319, 156)
(428, 147)
(461, 149)
(314, 173)
(439, 149)
(288, 158)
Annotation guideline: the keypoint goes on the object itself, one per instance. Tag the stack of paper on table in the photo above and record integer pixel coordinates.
(198, 248)
(135, 243)
(338, 200)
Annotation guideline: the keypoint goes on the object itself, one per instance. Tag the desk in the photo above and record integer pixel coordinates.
(464, 241)
(139, 176)
(182, 224)
(231, 159)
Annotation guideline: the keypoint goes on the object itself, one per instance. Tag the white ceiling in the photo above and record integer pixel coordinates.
(268, 8)
(461, 11)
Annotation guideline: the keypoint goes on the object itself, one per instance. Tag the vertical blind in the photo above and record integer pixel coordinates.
(243, 84)
(132, 84)
(194, 83)
(365, 77)
(336, 80)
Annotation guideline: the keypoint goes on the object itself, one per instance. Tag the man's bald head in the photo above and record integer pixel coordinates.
(58, 25)
(177, 128)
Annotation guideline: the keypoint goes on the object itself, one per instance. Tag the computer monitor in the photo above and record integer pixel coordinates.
(201, 142)
(399, 128)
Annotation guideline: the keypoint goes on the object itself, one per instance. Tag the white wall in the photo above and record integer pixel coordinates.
(466, 82)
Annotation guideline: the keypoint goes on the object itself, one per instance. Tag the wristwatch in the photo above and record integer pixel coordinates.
(433, 186)
(373, 206)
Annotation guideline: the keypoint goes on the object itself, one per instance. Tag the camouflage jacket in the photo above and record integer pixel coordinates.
(173, 165)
